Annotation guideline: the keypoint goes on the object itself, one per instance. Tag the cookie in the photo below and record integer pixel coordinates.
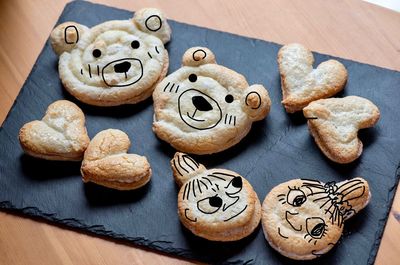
(116, 62)
(60, 135)
(301, 84)
(303, 219)
(215, 204)
(334, 124)
(205, 108)
(107, 163)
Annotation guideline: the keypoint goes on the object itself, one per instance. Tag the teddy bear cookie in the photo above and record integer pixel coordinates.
(214, 204)
(334, 124)
(107, 163)
(303, 219)
(205, 108)
(60, 135)
(116, 62)
(301, 84)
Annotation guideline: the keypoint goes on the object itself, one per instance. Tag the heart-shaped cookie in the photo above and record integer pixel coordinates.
(334, 124)
(301, 84)
(107, 163)
(60, 135)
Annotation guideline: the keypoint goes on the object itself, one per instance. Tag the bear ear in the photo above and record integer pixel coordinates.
(154, 22)
(184, 168)
(256, 102)
(65, 36)
(196, 56)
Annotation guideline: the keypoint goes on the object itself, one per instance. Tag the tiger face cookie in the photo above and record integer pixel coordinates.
(106, 162)
(116, 62)
(303, 219)
(216, 204)
(301, 84)
(60, 135)
(203, 107)
(334, 124)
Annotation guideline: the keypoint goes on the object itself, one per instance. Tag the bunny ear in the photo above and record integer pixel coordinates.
(184, 167)
(154, 22)
(355, 196)
(65, 36)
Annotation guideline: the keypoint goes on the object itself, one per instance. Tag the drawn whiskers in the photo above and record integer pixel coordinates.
(171, 88)
(230, 119)
(92, 70)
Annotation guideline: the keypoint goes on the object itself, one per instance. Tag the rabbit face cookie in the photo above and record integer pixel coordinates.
(303, 219)
(215, 204)
(116, 62)
(203, 107)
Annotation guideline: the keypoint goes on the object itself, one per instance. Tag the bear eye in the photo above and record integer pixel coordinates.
(229, 98)
(192, 78)
(296, 197)
(96, 53)
(135, 44)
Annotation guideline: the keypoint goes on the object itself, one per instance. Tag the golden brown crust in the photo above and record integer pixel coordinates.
(303, 219)
(301, 84)
(334, 124)
(209, 113)
(60, 135)
(215, 204)
(107, 163)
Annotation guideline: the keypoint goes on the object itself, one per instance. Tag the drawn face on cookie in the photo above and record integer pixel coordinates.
(214, 203)
(115, 62)
(203, 99)
(311, 214)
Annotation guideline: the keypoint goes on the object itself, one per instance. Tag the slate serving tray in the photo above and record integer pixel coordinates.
(276, 150)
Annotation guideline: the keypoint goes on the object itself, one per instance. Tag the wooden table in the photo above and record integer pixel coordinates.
(347, 28)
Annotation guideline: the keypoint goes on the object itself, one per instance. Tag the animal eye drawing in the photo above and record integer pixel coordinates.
(204, 99)
(311, 213)
(214, 202)
(116, 62)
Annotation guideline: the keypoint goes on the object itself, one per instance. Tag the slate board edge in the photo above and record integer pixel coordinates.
(100, 229)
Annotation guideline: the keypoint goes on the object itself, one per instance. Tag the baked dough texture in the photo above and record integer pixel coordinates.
(215, 204)
(334, 124)
(205, 108)
(303, 219)
(107, 163)
(301, 84)
(116, 62)
(60, 135)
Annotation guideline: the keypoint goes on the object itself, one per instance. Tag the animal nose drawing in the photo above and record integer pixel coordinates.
(122, 68)
(201, 103)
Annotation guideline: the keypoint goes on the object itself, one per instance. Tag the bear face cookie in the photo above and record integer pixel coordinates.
(60, 135)
(107, 163)
(203, 107)
(334, 124)
(216, 204)
(116, 62)
(301, 84)
(303, 219)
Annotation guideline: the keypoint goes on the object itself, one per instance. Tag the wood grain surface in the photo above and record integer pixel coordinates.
(350, 29)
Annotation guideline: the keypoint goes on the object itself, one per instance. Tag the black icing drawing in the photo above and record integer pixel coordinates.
(159, 23)
(195, 189)
(121, 66)
(199, 51)
(66, 37)
(259, 99)
(334, 200)
(198, 102)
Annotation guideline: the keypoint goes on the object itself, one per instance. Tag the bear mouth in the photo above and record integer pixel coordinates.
(122, 72)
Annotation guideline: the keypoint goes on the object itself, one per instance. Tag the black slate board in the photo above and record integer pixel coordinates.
(276, 150)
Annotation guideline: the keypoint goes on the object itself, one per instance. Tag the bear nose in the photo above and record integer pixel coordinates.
(122, 67)
(201, 103)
